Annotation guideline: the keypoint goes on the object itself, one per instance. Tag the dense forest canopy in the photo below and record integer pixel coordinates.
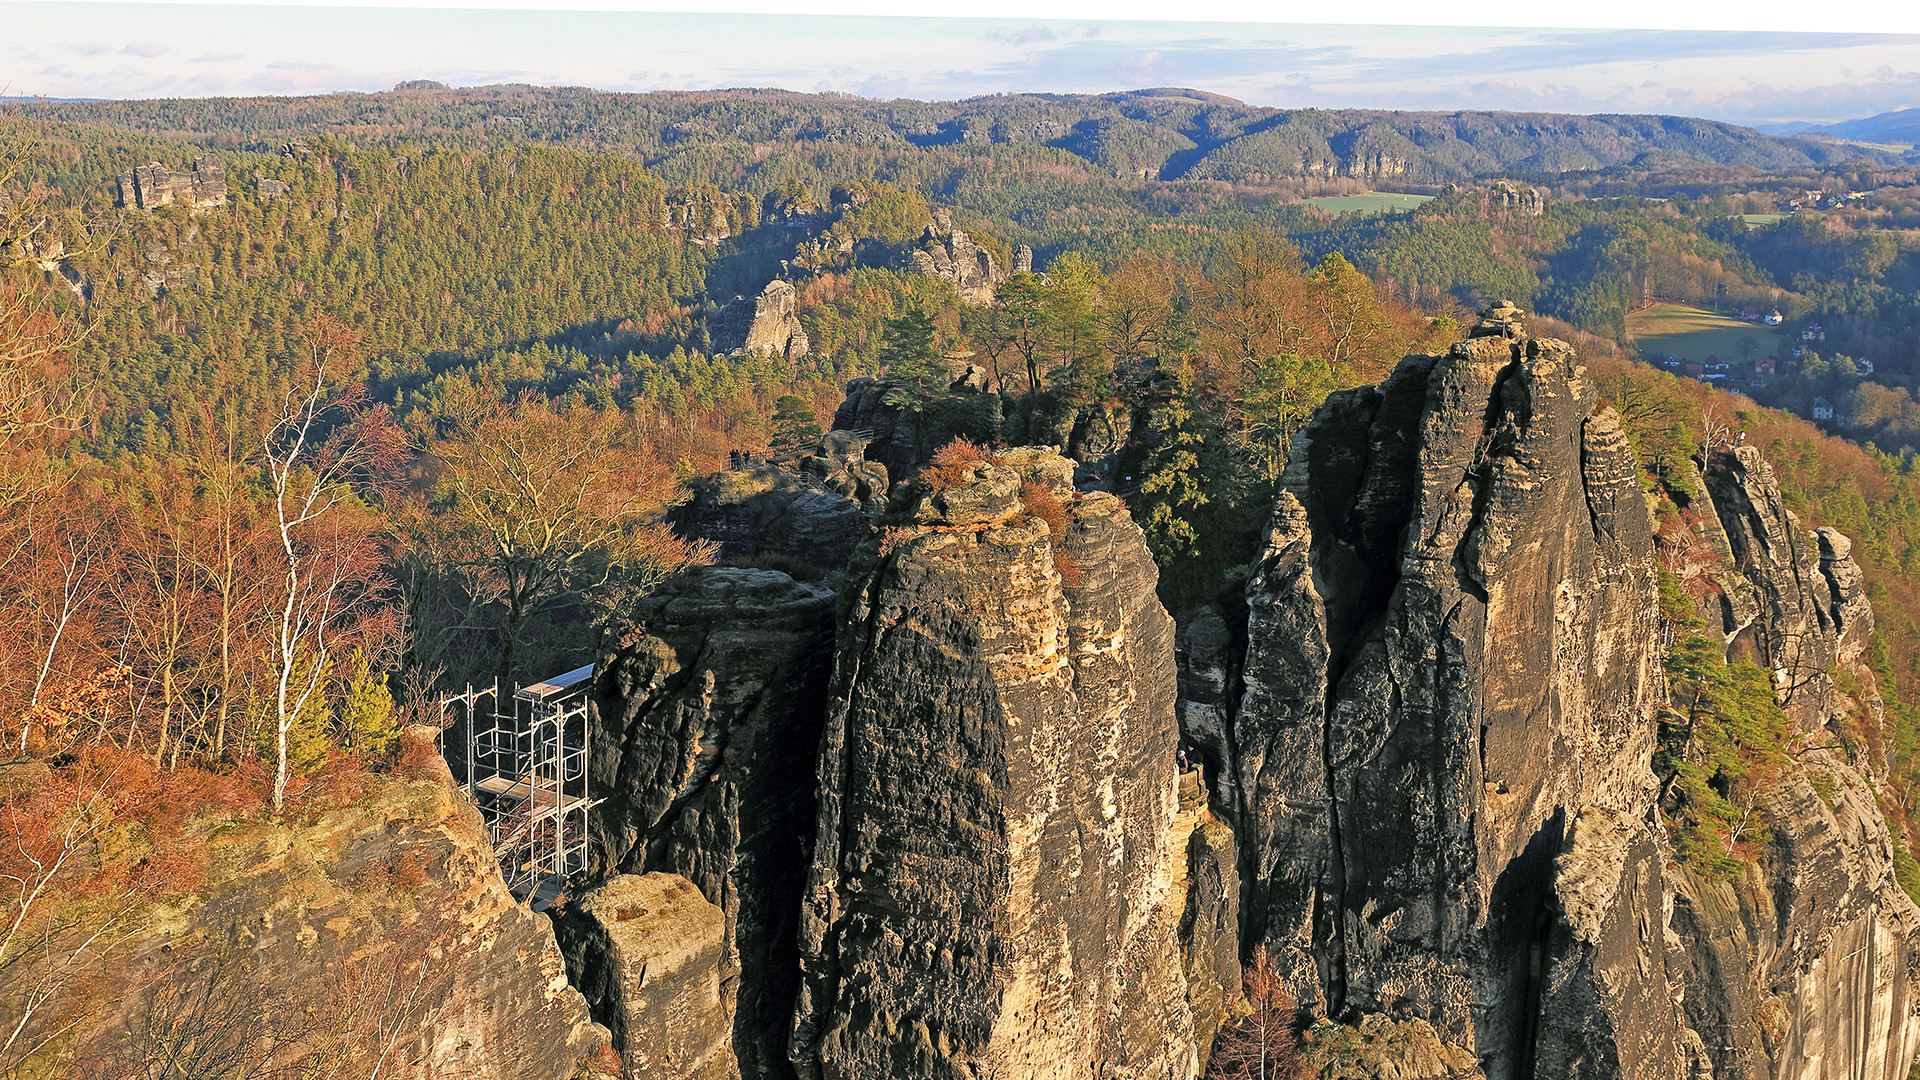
(405, 407)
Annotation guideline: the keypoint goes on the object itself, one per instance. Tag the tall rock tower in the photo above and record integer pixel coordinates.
(992, 891)
(1439, 767)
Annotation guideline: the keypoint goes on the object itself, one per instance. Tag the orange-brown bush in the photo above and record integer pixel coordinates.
(1045, 507)
(417, 758)
(954, 464)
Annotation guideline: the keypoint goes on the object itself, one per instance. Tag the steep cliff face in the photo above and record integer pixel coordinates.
(992, 887)
(1438, 770)
(1803, 966)
(707, 729)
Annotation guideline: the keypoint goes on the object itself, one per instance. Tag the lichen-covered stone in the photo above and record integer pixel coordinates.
(992, 888)
(650, 953)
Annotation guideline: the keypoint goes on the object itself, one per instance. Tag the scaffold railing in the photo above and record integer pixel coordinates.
(525, 770)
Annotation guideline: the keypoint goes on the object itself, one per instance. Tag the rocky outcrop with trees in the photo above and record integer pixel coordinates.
(1459, 818)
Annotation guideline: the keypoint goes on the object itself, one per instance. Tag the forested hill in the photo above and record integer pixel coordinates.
(739, 138)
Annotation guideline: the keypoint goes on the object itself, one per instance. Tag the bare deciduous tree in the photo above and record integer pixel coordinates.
(318, 442)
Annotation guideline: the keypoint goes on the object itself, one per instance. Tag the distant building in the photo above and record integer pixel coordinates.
(1822, 409)
(1774, 318)
(1765, 366)
(1695, 370)
(1863, 367)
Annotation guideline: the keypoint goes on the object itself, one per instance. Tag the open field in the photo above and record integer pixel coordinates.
(1372, 202)
(1692, 334)
(1762, 220)
(1893, 147)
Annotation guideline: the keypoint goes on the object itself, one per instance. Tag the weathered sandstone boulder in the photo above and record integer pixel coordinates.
(650, 953)
(767, 510)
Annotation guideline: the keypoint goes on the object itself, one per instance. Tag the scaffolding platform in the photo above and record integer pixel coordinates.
(526, 772)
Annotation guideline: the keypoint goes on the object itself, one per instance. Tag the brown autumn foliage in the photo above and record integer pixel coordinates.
(1044, 506)
(954, 464)
(1264, 1044)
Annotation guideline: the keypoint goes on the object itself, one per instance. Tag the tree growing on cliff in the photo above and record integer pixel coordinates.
(796, 429)
(908, 349)
(1263, 1044)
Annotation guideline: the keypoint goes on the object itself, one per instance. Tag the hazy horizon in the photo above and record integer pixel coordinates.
(111, 51)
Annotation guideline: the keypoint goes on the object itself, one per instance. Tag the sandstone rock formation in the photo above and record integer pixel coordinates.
(1510, 195)
(1437, 764)
(650, 952)
(953, 256)
(1804, 965)
(839, 464)
(1438, 770)
(706, 731)
(900, 436)
(767, 510)
(1209, 878)
(939, 819)
(154, 185)
(992, 882)
(392, 904)
(767, 323)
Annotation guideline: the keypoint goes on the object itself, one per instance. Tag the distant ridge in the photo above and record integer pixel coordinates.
(1898, 126)
(1159, 133)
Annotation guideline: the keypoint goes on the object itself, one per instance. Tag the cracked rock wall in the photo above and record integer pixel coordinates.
(1438, 769)
(992, 888)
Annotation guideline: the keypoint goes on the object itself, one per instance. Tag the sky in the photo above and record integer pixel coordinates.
(145, 50)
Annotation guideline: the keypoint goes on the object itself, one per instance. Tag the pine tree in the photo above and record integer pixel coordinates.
(309, 740)
(369, 722)
(795, 428)
(908, 349)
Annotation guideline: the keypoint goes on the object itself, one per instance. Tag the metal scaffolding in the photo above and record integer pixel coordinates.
(526, 772)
